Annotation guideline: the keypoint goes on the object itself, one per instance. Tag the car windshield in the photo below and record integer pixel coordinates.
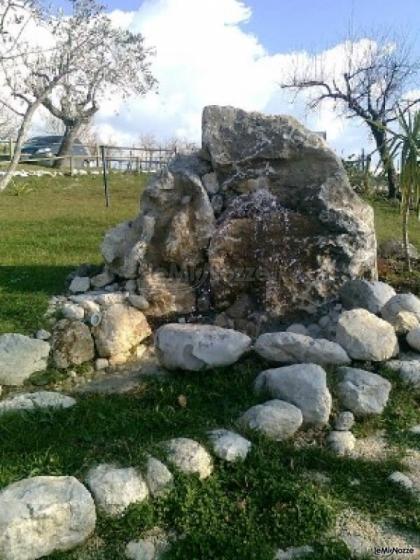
(43, 141)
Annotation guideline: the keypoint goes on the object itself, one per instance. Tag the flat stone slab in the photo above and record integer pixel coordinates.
(20, 357)
(32, 401)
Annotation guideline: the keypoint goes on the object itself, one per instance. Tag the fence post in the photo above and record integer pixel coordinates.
(104, 171)
(71, 165)
(98, 155)
(11, 148)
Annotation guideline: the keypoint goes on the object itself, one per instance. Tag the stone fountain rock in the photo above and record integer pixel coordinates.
(286, 229)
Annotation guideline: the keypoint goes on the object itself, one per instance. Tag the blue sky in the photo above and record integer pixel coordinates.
(236, 52)
(287, 25)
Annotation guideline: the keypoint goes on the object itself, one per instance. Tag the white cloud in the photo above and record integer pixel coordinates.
(204, 56)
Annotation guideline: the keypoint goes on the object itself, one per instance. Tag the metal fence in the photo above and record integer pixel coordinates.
(118, 158)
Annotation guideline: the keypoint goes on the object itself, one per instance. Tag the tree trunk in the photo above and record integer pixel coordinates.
(406, 214)
(66, 147)
(388, 163)
(23, 130)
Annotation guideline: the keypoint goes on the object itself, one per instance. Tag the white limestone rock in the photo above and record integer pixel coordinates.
(287, 347)
(229, 446)
(121, 329)
(344, 421)
(362, 392)
(80, 285)
(401, 302)
(304, 385)
(366, 337)
(367, 295)
(20, 357)
(31, 401)
(413, 339)
(198, 347)
(189, 457)
(158, 477)
(276, 419)
(341, 442)
(42, 515)
(73, 311)
(115, 489)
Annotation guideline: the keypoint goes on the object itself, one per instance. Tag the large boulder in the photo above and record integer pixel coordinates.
(276, 419)
(304, 385)
(362, 392)
(289, 347)
(366, 337)
(72, 344)
(20, 357)
(199, 347)
(44, 514)
(289, 229)
(122, 327)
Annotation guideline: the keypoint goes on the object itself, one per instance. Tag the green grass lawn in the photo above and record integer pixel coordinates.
(244, 511)
(48, 227)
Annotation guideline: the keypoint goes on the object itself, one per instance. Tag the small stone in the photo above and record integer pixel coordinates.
(294, 553)
(362, 392)
(101, 363)
(229, 446)
(211, 183)
(72, 311)
(297, 328)
(401, 479)
(32, 401)
(404, 322)
(415, 429)
(102, 280)
(90, 307)
(139, 302)
(106, 300)
(413, 339)
(324, 321)
(130, 286)
(344, 421)
(114, 489)
(341, 442)
(112, 288)
(72, 344)
(217, 203)
(42, 334)
(158, 477)
(408, 369)
(277, 420)
(189, 456)
(314, 330)
(149, 548)
(80, 284)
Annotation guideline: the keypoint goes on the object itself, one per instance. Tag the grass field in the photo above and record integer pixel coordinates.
(243, 511)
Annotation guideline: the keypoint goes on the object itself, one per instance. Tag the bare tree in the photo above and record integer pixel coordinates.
(118, 66)
(369, 84)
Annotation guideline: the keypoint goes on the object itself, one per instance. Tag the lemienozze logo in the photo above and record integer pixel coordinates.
(387, 551)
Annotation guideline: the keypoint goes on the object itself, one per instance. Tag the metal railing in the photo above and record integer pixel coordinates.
(119, 158)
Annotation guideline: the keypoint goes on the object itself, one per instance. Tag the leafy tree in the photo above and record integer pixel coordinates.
(368, 84)
(407, 144)
(118, 66)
